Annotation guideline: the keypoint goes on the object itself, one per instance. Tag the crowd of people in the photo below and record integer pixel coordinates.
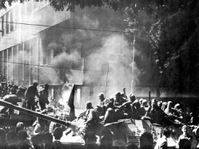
(20, 137)
(46, 135)
(42, 134)
(30, 97)
(121, 107)
(169, 115)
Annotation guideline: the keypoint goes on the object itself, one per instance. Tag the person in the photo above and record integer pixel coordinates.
(184, 144)
(43, 99)
(11, 98)
(162, 141)
(40, 126)
(177, 111)
(30, 94)
(24, 142)
(101, 99)
(110, 104)
(101, 108)
(19, 127)
(57, 134)
(137, 110)
(123, 94)
(91, 123)
(187, 139)
(127, 105)
(155, 113)
(13, 89)
(164, 105)
(169, 108)
(119, 100)
(110, 114)
(146, 141)
(21, 95)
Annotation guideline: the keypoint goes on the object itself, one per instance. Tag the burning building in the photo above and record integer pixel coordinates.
(86, 47)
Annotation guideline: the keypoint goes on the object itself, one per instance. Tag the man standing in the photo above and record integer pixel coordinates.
(43, 100)
(30, 94)
(91, 123)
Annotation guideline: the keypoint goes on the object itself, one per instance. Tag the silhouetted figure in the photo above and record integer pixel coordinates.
(184, 144)
(43, 98)
(21, 95)
(119, 100)
(19, 127)
(110, 114)
(24, 142)
(187, 139)
(156, 114)
(91, 124)
(123, 94)
(58, 133)
(30, 94)
(126, 107)
(101, 107)
(146, 141)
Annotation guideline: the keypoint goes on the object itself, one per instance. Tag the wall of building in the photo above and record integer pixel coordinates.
(20, 44)
(87, 47)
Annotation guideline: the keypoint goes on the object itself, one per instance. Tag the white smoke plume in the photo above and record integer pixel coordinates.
(112, 65)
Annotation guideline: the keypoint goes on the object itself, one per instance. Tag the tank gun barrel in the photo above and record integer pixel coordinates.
(33, 113)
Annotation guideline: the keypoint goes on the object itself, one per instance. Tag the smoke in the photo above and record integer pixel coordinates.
(111, 65)
(108, 57)
(105, 56)
(65, 62)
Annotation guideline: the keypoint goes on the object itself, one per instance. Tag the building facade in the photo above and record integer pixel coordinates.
(87, 47)
(20, 48)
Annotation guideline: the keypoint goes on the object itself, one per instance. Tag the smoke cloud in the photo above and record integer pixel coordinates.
(91, 54)
(112, 65)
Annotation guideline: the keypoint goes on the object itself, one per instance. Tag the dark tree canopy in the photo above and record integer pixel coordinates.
(115, 4)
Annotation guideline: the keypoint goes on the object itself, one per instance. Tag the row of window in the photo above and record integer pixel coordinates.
(18, 63)
(17, 15)
(7, 23)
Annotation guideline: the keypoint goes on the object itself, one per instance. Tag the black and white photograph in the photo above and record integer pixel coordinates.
(99, 74)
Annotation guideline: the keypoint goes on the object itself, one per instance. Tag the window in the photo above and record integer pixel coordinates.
(11, 22)
(4, 24)
(1, 26)
(1, 62)
(7, 23)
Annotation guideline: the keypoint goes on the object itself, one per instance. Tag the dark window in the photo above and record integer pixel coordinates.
(7, 23)
(11, 22)
(1, 26)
